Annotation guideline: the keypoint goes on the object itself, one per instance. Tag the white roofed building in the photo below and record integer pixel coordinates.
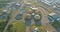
(53, 17)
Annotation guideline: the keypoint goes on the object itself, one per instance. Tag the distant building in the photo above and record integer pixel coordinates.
(37, 17)
(4, 10)
(53, 17)
(18, 4)
(13, 5)
(34, 9)
(49, 2)
(28, 16)
(33, 14)
(29, 12)
(28, 4)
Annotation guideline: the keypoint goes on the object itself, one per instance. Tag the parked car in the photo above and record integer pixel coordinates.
(35, 30)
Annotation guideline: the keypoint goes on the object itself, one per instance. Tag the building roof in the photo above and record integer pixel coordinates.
(17, 3)
(36, 28)
(28, 14)
(34, 8)
(49, 2)
(28, 3)
(51, 14)
(54, 16)
(37, 16)
(4, 10)
(58, 19)
(33, 13)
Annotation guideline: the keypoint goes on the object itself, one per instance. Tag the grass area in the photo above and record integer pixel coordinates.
(27, 8)
(2, 25)
(4, 20)
(42, 28)
(18, 26)
(9, 28)
(56, 24)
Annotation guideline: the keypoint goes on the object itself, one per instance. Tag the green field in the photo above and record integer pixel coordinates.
(18, 26)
